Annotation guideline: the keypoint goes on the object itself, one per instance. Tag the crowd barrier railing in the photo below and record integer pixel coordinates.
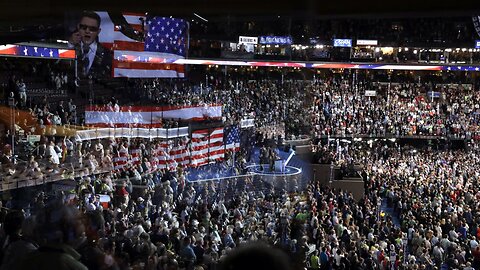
(149, 133)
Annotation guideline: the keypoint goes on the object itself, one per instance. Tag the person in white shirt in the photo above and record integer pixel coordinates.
(52, 153)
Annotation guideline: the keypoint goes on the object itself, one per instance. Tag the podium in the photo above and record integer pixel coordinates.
(280, 165)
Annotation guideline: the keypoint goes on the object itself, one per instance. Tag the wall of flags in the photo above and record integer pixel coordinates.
(205, 146)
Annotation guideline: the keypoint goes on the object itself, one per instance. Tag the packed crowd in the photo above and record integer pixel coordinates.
(144, 216)
(340, 105)
(434, 194)
(332, 106)
(343, 109)
(171, 224)
(151, 219)
(270, 102)
(145, 220)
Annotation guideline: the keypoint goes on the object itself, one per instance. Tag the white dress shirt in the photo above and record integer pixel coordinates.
(91, 54)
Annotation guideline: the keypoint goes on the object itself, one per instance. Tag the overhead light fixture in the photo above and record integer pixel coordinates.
(200, 17)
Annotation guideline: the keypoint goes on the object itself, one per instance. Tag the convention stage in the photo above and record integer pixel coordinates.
(219, 171)
(289, 177)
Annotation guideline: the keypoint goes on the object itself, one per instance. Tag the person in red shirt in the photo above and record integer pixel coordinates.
(476, 257)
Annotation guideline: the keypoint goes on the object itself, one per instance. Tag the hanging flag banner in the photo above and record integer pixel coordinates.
(36, 51)
(145, 116)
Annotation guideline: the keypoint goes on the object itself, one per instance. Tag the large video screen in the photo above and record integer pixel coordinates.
(131, 45)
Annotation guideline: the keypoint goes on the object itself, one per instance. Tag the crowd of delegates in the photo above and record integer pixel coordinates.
(168, 223)
(340, 106)
(146, 218)
(332, 106)
(164, 224)
(434, 195)
(394, 109)
(56, 113)
(271, 102)
(141, 161)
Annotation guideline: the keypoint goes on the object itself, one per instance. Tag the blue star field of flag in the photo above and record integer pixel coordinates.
(167, 35)
(31, 51)
(233, 137)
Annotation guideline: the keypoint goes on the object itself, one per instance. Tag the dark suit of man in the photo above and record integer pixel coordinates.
(101, 64)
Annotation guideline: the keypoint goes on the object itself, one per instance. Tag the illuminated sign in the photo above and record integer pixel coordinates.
(342, 42)
(247, 40)
(367, 42)
(276, 40)
(477, 44)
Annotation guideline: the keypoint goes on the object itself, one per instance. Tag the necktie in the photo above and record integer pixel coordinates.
(86, 60)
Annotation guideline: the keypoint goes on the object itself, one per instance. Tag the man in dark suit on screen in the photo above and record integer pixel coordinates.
(95, 60)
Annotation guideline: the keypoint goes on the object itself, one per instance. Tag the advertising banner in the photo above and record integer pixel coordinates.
(247, 40)
(367, 42)
(275, 40)
(342, 42)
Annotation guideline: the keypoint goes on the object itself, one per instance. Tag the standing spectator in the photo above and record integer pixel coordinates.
(22, 93)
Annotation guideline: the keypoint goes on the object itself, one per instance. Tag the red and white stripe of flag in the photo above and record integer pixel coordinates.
(122, 160)
(171, 155)
(207, 146)
(135, 156)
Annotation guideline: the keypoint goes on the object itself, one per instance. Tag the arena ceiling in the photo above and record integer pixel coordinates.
(20, 19)
(22, 10)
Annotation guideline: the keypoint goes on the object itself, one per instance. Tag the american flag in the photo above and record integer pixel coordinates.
(137, 59)
(173, 153)
(121, 160)
(207, 146)
(232, 141)
(135, 156)
(167, 35)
